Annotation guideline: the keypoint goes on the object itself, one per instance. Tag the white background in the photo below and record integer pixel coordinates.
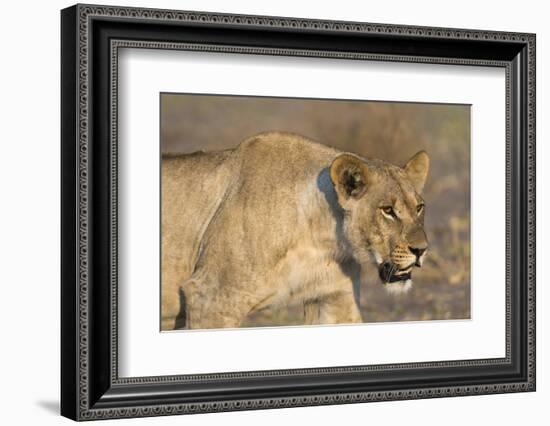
(29, 225)
(140, 343)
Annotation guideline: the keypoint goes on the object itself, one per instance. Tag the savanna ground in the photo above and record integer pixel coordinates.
(387, 130)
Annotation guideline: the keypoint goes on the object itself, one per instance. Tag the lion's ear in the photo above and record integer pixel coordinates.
(349, 176)
(417, 170)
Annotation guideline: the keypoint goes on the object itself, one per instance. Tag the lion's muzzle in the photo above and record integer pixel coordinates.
(389, 273)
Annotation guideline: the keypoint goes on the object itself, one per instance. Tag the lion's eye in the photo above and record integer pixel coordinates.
(388, 211)
(419, 208)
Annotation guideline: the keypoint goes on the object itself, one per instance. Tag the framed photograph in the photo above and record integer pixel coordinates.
(263, 212)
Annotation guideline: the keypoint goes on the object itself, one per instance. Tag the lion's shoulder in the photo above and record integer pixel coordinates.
(295, 146)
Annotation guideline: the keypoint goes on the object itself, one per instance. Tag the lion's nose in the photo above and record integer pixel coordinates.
(417, 252)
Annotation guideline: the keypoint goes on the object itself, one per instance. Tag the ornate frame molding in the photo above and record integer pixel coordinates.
(79, 21)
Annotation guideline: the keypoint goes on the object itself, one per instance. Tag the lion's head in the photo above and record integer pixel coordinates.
(383, 213)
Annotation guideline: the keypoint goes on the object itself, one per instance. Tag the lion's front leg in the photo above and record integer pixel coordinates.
(334, 300)
(334, 308)
(339, 308)
(312, 311)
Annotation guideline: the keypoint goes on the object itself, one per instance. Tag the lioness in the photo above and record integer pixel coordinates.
(281, 218)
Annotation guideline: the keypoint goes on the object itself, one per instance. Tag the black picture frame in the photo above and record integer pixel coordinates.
(90, 386)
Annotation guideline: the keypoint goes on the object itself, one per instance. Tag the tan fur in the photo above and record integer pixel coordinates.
(269, 223)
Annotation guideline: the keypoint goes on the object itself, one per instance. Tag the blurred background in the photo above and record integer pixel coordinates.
(389, 131)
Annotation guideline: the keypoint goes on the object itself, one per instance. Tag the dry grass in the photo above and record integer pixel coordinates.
(390, 131)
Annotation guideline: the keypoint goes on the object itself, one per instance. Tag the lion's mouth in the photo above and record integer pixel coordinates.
(390, 273)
